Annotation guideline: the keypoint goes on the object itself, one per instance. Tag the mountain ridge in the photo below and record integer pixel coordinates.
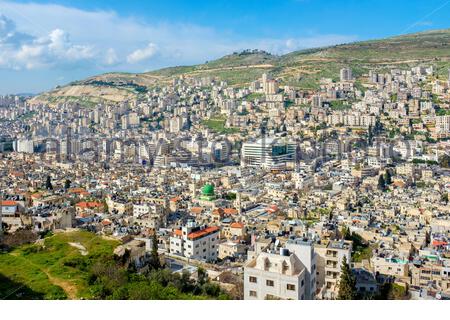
(301, 68)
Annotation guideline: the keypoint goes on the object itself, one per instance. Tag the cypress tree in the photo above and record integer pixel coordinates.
(48, 183)
(388, 177)
(347, 283)
(155, 263)
(381, 183)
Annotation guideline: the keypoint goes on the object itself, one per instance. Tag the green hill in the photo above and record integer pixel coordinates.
(81, 265)
(302, 69)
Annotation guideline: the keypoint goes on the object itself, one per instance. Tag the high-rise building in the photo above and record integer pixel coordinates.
(346, 74)
(271, 87)
(268, 153)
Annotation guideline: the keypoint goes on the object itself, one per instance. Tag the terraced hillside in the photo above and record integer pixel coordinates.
(301, 68)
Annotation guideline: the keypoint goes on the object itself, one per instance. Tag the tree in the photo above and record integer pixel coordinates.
(48, 183)
(347, 283)
(381, 183)
(202, 276)
(67, 184)
(444, 161)
(295, 198)
(444, 197)
(346, 234)
(154, 259)
(388, 177)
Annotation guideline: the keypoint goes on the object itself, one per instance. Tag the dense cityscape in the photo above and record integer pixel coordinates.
(263, 191)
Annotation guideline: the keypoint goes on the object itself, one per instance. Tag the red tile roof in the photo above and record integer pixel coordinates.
(237, 225)
(230, 211)
(90, 204)
(196, 210)
(9, 203)
(201, 233)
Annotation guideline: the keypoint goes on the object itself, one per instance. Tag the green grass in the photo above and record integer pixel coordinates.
(43, 268)
(20, 273)
(362, 254)
(217, 124)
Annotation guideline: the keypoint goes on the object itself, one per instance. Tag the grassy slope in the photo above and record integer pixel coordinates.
(304, 68)
(55, 270)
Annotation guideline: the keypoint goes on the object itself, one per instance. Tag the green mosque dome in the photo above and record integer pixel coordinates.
(208, 190)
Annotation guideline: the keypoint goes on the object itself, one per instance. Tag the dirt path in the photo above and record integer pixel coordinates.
(69, 288)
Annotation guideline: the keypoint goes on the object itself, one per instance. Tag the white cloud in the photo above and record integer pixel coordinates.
(111, 57)
(21, 50)
(37, 36)
(140, 55)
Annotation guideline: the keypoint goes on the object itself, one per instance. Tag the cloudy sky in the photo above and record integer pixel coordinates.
(46, 43)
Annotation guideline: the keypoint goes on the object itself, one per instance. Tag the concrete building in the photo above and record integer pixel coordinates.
(304, 250)
(346, 74)
(196, 242)
(330, 256)
(274, 276)
(268, 153)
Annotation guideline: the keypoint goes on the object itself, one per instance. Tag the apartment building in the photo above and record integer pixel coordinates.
(304, 250)
(392, 267)
(196, 242)
(274, 276)
(330, 256)
(431, 273)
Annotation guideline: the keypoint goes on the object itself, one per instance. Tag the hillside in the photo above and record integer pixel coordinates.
(302, 69)
(81, 265)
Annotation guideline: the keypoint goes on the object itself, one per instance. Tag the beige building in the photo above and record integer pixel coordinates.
(330, 256)
(274, 276)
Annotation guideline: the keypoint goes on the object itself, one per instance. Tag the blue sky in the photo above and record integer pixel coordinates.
(45, 43)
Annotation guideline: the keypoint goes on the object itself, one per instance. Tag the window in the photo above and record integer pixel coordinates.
(252, 279)
(252, 293)
(269, 283)
(303, 283)
(290, 287)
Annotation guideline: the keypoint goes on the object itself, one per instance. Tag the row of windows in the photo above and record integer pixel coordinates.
(271, 283)
(254, 294)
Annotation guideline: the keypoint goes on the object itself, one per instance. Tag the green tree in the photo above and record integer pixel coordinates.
(444, 197)
(154, 259)
(202, 276)
(48, 183)
(444, 161)
(381, 183)
(346, 235)
(347, 283)
(388, 177)
(67, 184)
(295, 198)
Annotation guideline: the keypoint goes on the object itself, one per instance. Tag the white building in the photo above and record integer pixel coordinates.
(268, 153)
(346, 74)
(196, 242)
(274, 276)
(304, 250)
(24, 145)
